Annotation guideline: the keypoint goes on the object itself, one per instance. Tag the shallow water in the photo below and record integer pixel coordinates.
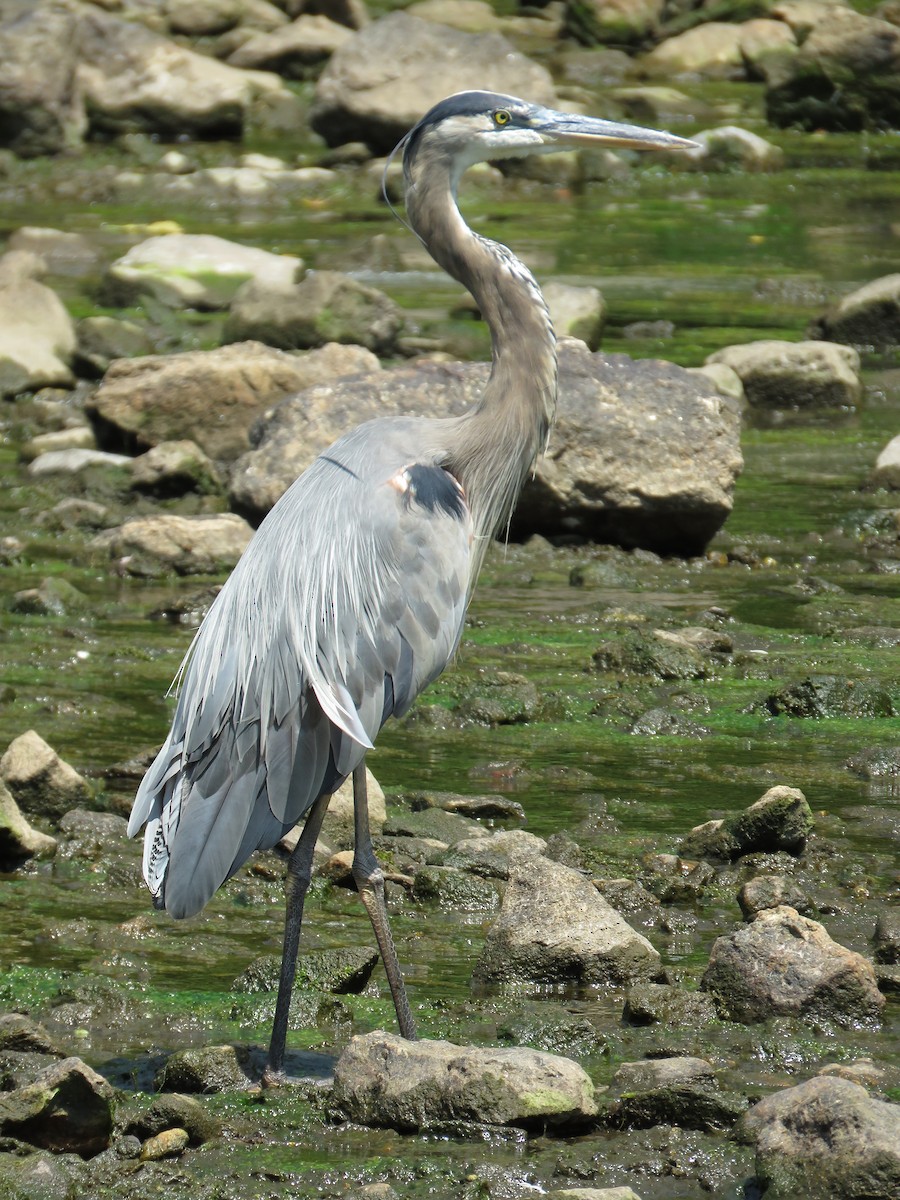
(727, 258)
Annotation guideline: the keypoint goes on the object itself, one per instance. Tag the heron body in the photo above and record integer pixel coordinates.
(352, 595)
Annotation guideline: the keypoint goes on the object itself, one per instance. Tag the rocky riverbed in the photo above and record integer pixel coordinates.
(641, 840)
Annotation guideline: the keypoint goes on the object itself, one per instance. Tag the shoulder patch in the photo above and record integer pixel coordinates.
(434, 489)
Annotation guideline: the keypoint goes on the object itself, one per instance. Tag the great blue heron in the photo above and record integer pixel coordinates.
(351, 597)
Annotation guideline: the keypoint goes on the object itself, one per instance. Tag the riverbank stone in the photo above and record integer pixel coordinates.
(207, 1069)
(782, 963)
(68, 1108)
(555, 927)
(670, 1091)
(382, 1079)
(780, 820)
(173, 468)
(338, 971)
(868, 316)
(39, 780)
(37, 335)
(668, 1005)
(778, 375)
(149, 547)
(19, 841)
(823, 1139)
(819, 696)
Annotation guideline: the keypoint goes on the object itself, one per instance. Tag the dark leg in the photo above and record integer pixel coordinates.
(299, 873)
(370, 881)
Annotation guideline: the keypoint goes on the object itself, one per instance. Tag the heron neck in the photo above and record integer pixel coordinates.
(494, 446)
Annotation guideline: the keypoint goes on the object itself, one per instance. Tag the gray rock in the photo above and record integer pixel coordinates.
(51, 598)
(38, 778)
(668, 1005)
(886, 472)
(35, 1176)
(41, 110)
(670, 1091)
(164, 398)
(794, 374)
(456, 890)
(20, 1034)
(784, 964)
(200, 271)
(494, 855)
(327, 306)
(18, 839)
(869, 316)
(121, 64)
(500, 698)
(73, 437)
(203, 18)
(712, 50)
(68, 1109)
(780, 820)
(605, 477)
(37, 336)
(771, 891)
(592, 1193)
(577, 312)
(209, 1069)
(382, 80)
(381, 1079)
(64, 252)
(729, 146)
(662, 1072)
(820, 696)
(101, 339)
(295, 51)
(341, 972)
(479, 807)
(555, 927)
(148, 547)
(172, 1110)
(676, 880)
(173, 468)
(886, 939)
(825, 1139)
(72, 462)
(621, 22)
(91, 835)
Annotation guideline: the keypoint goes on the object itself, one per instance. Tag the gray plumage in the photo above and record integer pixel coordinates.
(352, 595)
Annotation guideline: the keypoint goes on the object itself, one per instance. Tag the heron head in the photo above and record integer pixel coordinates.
(471, 127)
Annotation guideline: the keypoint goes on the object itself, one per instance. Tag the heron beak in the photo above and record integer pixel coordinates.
(569, 129)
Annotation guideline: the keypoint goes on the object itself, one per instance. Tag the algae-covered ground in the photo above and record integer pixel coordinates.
(803, 582)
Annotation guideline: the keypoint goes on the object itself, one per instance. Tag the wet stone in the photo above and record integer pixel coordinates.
(502, 698)
(781, 820)
(477, 807)
(676, 880)
(68, 1108)
(626, 895)
(686, 1105)
(545, 1026)
(886, 942)
(51, 598)
(668, 1005)
(168, 1144)
(173, 1111)
(39, 1176)
(830, 696)
(19, 840)
(381, 1079)
(22, 1034)
(431, 823)
(338, 971)
(494, 855)
(450, 888)
(209, 1069)
(770, 891)
(38, 778)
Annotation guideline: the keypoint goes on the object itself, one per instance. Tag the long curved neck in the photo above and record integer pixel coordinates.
(494, 446)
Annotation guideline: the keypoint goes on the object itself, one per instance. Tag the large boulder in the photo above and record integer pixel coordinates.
(37, 336)
(778, 374)
(825, 1139)
(843, 76)
(554, 927)
(383, 79)
(41, 110)
(868, 316)
(381, 1079)
(784, 964)
(163, 398)
(643, 453)
(134, 80)
(195, 271)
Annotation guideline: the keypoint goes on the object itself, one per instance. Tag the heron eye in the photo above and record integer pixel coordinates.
(501, 117)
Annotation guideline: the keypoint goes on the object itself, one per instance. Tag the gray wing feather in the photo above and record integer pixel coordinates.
(349, 601)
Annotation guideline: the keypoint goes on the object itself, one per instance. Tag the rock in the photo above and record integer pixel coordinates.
(34, 1176)
(712, 50)
(840, 78)
(605, 476)
(592, 1193)
(494, 855)
(667, 722)
(64, 252)
(780, 820)
(886, 940)
(41, 110)
(763, 40)
(382, 80)
(794, 374)
(784, 964)
(52, 598)
(75, 437)
(120, 71)
(431, 823)
(613, 22)
(675, 880)
(479, 807)
(165, 398)
(869, 316)
(555, 927)
(500, 698)
(18, 840)
(458, 891)
(170, 1111)
(668, 1005)
(295, 51)
(662, 653)
(173, 468)
(886, 472)
(381, 1079)
(169, 1144)
(341, 972)
(148, 547)
(729, 146)
(771, 891)
(209, 1069)
(68, 1109)
(37, 337)
(203, 18)
(670, 1091)
(71, 462)
(471, 16)
(820, 696)
(327, 306)
(21, 1035)
(823, 1139)
(662, 1072)
(337, 828)
(577, 312)
(201, 271)
(38, 778)
(91, 834)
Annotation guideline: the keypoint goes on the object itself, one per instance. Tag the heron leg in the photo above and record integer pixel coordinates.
(369, 879)
(299, 874)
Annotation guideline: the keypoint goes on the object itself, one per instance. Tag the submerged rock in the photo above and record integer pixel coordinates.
(784, 964)
(825, 1139)
(669, 1005)
(555, 927)
(39, 780)
(670, 1091)
(381, 1079)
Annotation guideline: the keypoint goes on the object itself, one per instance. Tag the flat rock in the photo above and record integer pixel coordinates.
(823, 1139)
(157, 545)
(39, 780)
(555, 927)
(381, 1079)
(784, 964)
(72, 462)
